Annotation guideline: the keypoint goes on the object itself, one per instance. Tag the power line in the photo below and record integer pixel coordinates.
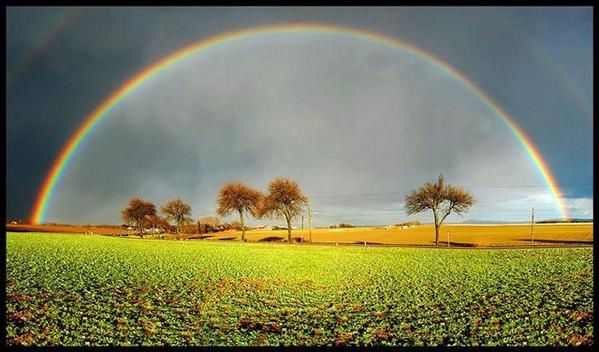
(366, 210)
(467, 187)
(498, 211)
(359, 195)
(533, 186)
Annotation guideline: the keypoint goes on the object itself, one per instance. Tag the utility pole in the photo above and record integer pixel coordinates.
(532, 224)
(448, 239)
(302, 228)
(310, 222)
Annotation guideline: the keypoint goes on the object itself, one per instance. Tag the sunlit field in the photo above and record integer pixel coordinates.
(421, 235)
(318, 176)
(71, 289)
(424, 235)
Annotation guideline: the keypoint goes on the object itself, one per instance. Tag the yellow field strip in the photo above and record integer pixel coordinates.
(458, 235)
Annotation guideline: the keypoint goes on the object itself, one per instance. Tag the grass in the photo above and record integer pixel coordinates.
(95, 290)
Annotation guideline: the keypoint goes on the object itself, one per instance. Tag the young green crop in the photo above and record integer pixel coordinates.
(92, 290)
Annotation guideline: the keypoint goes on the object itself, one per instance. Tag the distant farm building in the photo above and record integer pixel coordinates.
(283, 227)
(406, 225)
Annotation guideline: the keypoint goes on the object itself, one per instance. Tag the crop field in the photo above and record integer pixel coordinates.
(70, 289)
(59, 229)
(424, 235)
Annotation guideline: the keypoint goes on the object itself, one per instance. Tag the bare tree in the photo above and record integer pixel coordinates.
(208, 224)
(177, 211)
(137, 213)
(157, 222)
(284, 200)
(235, 196)
(211, 221)
(441, 199)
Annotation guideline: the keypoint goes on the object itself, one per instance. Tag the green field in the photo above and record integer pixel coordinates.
(93, 290)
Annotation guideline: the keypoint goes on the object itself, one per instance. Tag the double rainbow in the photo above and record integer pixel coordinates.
(68, 152)
(67, 18)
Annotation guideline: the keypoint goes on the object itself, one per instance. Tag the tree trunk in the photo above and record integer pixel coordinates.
(436, 227)
(288, 228)
(141, 230)
(242, 227)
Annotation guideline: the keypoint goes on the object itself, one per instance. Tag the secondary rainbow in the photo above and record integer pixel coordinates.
(68, 152)
(67, 18)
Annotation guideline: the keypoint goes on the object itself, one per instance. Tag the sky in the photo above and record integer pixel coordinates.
(356, 123)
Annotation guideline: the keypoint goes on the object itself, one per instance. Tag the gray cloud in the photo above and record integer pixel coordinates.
(340, 116)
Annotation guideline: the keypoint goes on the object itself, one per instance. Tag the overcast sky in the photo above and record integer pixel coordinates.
(357, 124)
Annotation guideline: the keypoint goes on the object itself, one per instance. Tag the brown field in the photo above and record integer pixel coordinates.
(62, 229)
(422, 235)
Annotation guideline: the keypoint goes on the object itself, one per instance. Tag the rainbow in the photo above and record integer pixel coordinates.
(566, 84)
(68, 152)
(66, 19)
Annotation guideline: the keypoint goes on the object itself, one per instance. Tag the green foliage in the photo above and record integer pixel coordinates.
(92, 290)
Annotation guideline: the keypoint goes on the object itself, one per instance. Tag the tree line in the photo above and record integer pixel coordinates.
(285, 200)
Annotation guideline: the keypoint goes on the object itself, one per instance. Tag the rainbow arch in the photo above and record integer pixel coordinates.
(65, 20)
(70, 149)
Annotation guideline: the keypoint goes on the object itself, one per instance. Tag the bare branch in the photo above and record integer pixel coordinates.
(137, 213)
(442, 199)
(284, 200)
(235, 196)
(177, 211)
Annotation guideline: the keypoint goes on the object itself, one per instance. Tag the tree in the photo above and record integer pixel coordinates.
(157, 222)
(177, 211)
(236, 225)
(284, 200)
(235, 196)
(137, 213)
(208, 224)
(211, 221)
(441, 199)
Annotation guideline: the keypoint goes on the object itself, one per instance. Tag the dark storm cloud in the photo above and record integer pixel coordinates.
(269, 107)
(106, 46)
